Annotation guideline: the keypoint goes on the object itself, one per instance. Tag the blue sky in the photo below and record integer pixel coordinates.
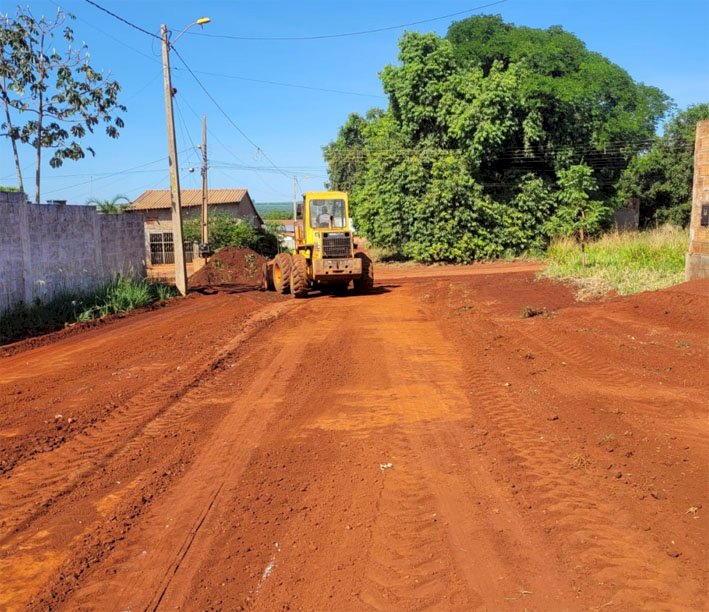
(658, 42)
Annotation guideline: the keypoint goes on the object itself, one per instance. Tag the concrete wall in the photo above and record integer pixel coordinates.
(697, 260)
(46, 249)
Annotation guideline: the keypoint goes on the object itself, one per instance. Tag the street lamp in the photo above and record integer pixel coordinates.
(175, 194)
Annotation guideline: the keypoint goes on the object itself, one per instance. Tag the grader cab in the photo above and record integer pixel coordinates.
(325, 256)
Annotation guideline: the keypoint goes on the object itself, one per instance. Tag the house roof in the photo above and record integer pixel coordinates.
(160, 198)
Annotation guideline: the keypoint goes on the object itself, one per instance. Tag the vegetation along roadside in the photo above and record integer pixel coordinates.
(625, 263)
(119, 296)
(498, 139)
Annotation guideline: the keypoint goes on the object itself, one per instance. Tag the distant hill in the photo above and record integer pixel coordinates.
(269, 209)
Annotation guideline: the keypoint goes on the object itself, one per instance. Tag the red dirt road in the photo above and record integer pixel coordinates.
(424, 447)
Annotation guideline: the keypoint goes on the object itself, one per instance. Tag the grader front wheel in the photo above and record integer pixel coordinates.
(299, 276)
(281, 273)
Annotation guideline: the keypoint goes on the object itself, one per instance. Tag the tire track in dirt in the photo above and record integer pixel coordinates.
(266, 484)
(407, 567)
(158, 575)
(620, 389)
(129, 355)
(629, 565)
(29, 492)
(456, 503)
(112, 449)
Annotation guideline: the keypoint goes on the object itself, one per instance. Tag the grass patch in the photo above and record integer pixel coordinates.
(606, 439)
(119, 296)
(579, 461)
(627, 263)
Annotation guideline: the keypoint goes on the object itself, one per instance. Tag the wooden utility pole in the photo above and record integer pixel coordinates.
(175, 194)
(295, 202)
(205, 191)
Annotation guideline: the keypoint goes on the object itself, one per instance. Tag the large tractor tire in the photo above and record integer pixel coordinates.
(281, 273)
(299, 284)
(365, 283)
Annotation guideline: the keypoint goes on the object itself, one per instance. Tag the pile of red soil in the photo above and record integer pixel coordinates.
(230, 266)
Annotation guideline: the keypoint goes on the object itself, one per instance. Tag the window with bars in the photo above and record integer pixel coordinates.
(162, 248)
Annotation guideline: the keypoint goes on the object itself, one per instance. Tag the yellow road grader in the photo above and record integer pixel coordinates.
(326, 256)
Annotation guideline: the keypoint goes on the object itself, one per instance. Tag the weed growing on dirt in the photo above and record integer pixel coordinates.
(119, 296)
(529, 311)
(579, 462)
(461, 310)
(606, 439)
(627, 263)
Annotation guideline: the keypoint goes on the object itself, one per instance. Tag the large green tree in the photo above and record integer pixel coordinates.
(661, 179)
(585, 106)
(51, 95)
(465, 161)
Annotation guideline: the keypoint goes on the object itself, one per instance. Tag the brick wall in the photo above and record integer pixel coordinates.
(697, 260)
(46, 249)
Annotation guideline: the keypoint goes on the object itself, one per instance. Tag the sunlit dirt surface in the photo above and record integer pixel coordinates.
(429, 446)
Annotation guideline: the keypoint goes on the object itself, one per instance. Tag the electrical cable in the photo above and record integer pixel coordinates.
(226, 115)
(212, 134)
(192, 152)
(346, 34)
(225, 147)
(108, 175)
(128, 23)
(155, 59)
(292, 85)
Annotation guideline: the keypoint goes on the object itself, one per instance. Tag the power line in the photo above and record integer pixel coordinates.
(265, 169)
(346, 34)
(186, 133)
(226, 115)
(293, 85)
(227, 76)
(594, 151)
(126, 171)
(128, 23)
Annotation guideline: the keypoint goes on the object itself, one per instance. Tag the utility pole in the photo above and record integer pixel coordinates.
(205, 191)
(175, 194)
(295, 201)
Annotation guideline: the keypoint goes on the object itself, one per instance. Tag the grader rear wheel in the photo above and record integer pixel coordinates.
(299, 276)
(266, 278)
(281, 273)
(365, 284)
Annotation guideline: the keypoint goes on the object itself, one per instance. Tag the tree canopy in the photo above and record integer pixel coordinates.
(661, 178)
(51, 95)
(465, 161)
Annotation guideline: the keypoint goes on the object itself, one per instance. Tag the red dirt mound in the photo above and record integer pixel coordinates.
(230, 266)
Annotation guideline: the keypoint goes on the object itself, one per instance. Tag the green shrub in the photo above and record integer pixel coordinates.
(119, 296)
(225, 230)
